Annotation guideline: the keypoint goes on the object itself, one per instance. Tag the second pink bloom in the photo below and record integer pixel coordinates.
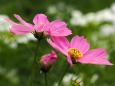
(41, 24)
(78, 50)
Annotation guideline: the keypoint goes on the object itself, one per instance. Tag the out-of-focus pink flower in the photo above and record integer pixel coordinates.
(41, 24)
(48, 60)
(77, 50)
(57, 28)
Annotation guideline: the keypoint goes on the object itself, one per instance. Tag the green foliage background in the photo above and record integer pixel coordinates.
(15, 63)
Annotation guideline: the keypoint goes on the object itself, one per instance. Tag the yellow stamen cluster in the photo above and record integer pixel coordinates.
(74, 53)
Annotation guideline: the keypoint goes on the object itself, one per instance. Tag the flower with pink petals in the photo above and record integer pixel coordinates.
(78, 50)
(47, 61)
(57, 28)
(41, 25)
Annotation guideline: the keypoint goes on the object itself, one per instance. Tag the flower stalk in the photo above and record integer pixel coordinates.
(59, 83)
(46, 81)
(33, 65)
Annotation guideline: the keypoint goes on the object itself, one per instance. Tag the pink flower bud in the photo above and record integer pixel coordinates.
(47, 61)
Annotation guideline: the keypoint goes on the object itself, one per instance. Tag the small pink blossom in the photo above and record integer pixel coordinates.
(48, 60)
(41, 24)
(78, 50)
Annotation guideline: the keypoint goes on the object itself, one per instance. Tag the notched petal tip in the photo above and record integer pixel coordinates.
(16, 15)
(10, 21)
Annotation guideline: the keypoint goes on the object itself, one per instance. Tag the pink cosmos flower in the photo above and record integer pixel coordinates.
(78, 50)
(41, 24)
(48, 60)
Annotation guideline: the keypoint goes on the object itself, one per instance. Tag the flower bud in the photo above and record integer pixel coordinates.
(47, 61)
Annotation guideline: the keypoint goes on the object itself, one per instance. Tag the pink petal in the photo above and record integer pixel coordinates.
(95, 56)
(10, 21)
(20, 29)
(61, 42)
(99, 61)
(56, 47)
(22, 21)
(69, 61)
(40, 20)
(80, 43)
(56, 24)
(58, 28)
(96, 53)
(39, 28)
(53, 54)
(65, 32)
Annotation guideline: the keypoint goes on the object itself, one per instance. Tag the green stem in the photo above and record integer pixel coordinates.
(33, 65)
(59, 83)
(46, 83)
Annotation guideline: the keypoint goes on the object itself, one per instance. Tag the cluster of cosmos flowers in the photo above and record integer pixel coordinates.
(55, 32)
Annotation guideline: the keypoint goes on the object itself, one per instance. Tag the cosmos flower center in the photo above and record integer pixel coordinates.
(74, 53)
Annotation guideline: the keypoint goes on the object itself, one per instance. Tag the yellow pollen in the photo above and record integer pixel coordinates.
(74, 53)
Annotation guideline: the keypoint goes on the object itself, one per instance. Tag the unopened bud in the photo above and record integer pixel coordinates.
(47, 61)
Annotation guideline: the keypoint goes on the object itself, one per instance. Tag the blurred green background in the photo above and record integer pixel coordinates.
(94, 19)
